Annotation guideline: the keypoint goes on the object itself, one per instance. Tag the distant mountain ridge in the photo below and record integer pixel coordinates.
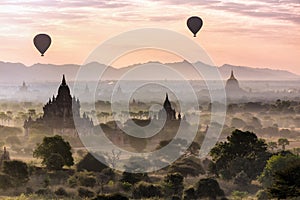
(18, 72)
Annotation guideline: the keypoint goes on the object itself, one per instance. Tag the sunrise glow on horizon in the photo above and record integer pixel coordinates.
(248, 33)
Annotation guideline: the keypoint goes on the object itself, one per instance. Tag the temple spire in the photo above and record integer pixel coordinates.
(63, 82)
(232, 75)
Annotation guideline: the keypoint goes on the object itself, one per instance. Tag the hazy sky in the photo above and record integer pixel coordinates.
(264, 33)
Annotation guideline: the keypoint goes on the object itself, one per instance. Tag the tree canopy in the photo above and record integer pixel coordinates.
(286, 182)
(274, 164)
(242, 151)
(54, 145)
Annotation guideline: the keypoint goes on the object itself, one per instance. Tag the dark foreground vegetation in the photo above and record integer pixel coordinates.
(242, 166)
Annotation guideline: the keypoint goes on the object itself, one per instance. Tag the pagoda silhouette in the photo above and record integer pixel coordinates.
(60, 113)
(168, 112)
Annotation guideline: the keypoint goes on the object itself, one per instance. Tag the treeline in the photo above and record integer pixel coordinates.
(239, 161)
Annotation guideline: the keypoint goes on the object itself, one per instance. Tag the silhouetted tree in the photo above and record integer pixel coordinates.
(54, 145)
(286, 182)
(242, 151)
(283, 142)
(208, 188)
(17, 170)
(173, 184)
(274, 164)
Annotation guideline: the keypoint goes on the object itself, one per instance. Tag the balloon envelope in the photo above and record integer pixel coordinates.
(194, 24)
(42, 42)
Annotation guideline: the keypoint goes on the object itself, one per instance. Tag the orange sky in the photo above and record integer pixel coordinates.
(262, 33)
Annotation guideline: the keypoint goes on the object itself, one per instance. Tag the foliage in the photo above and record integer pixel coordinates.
(272, 146)
(72, 181)
(242, 179)
(173, 184)
(55, 162)
(5, 181)
(239, 195)
(16, 169)
(90, 163)
(189, 193)
(43, 191)
(51, 145)
(87, 180)
(85, 192)
(115, 196)
(208, 187)
(126, 186)
(286, 182)
(133, 178)
(242, 151)
(187, 166)
(146, 190)
(283, 142)
(274, 164)
(61, 192)
(262, 195)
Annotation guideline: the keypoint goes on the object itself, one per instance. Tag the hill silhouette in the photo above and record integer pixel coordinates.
(17, 72)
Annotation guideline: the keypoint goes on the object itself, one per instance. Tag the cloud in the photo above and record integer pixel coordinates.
(68, 3)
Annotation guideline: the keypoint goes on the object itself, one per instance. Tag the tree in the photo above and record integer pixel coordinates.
(242, 151)
(274, 164)
(189, 194)
(54, 145)
(283, 142)
(272, 146)
(208, 188)
(286, 182)
(55, 162)
(17, 170)
(173, 184)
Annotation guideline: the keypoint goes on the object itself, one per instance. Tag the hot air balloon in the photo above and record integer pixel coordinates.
(42, 42)
(194, 24)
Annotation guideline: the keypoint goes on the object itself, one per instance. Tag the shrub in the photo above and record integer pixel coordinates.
(175, 197)
(29, 190)
(5, 181)
(173, 184)
(242, 179)
(133, 178)
(16, 169)
(61, 192)
(146, 190)
(208, 188)
(86, 179)
(43, 191)
(116, 196)
(72, 181)
(189, 194)
(262, 195)
(126, 186)
(84, 192)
